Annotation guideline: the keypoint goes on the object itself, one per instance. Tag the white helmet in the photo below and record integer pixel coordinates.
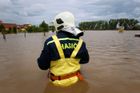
(64, 19)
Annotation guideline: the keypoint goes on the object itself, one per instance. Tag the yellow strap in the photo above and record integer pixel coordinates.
(58, 45)
(74, 53)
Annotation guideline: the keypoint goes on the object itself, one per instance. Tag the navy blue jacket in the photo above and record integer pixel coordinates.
(50, 52)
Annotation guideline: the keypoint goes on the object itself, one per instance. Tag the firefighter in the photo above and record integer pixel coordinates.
(64, 52)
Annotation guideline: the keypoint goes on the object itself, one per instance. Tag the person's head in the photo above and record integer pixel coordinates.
(65, 21)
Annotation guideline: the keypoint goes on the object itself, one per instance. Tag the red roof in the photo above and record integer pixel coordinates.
(12, 25)
(9, 25)
(0, 21)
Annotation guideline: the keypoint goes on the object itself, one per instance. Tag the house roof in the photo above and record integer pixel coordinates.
(12, 25)
(9, 25)
(0, 21)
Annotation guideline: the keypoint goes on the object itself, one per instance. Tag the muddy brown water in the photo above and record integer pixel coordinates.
(114, 65)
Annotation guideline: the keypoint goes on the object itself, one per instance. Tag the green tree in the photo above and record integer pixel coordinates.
(129, 24)
(2, 28)
(137, 27)
(32, 28)
(112, 24)
(44, 27)
(14, 30)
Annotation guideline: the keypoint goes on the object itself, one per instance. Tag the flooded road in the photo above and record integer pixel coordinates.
(114, 65)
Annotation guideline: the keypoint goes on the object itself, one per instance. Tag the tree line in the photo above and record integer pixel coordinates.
(129, 24)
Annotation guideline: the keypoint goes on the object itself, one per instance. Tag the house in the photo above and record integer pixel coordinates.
(0, 21)
(11, 26)
(23, 27)
(8, 26)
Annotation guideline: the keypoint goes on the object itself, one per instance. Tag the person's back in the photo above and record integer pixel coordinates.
(62, 54)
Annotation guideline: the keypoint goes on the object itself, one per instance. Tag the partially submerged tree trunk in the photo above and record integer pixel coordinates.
(25, 34)
(44, 33)
(4, 35)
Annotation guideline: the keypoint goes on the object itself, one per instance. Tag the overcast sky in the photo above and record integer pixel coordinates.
(34, 11)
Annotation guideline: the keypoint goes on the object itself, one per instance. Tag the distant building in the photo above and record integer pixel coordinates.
(10, 26)
(0, 21)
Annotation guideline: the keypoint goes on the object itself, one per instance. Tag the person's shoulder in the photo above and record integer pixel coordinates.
(48, 40)
(83, 42)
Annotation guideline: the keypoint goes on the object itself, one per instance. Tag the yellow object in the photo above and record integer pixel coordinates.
(64, 66)
(121, 30)
(69, 45)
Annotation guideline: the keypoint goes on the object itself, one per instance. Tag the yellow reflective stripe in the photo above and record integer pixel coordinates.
(58, 45)
(50, 42)
(69, 39)
(63, 39)
(74, 53)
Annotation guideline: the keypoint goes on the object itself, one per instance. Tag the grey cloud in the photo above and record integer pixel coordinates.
(14, 1)
(35, 11)
(112, 9)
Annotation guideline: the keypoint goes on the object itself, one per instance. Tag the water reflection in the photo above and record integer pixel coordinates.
(25, 34)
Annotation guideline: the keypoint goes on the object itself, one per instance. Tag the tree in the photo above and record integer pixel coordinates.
(33, 28)
(44, 27)
(14, 29)
(1, 28)
(137, 27)
(129, 24)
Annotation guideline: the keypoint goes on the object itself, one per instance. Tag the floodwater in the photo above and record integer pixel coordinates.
(114, 65)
